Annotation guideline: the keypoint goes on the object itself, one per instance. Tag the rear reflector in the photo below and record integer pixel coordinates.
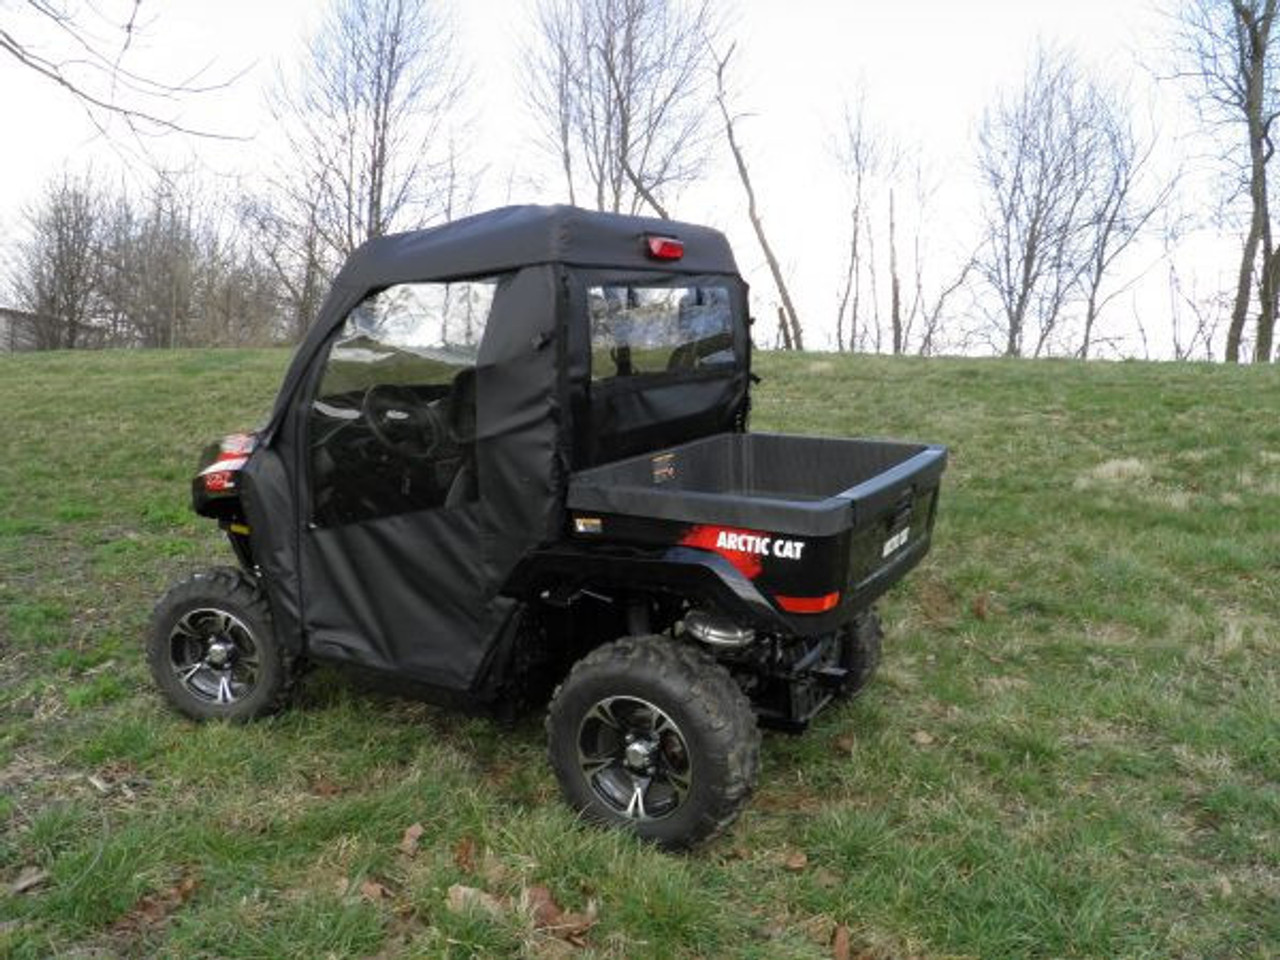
(809, 604)
(665, 248)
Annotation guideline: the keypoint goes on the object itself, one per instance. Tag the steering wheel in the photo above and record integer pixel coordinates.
(401, 421)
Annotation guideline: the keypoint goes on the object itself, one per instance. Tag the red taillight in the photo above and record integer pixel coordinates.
(665, 248)
(219, 481)
(820, 604)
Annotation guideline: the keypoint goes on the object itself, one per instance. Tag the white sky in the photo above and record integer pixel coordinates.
(927, 70)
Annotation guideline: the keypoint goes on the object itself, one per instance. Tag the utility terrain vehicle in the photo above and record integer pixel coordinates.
(511, 456)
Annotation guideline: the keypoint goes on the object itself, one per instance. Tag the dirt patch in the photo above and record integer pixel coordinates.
(939, 605)
(1268, 485)
(1210, 767)
(1175, 499)
(1243, 630)
(1003, 684)
(1128, 470)
(1111, 634)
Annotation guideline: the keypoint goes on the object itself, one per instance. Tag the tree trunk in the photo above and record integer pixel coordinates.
(1262, 347)
(895, 287)
(796, 335)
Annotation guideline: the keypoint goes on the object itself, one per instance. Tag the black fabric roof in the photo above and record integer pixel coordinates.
(511, 237)
(499, 241)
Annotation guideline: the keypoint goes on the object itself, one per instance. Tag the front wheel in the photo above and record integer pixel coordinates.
(212, 651)
(652, 735)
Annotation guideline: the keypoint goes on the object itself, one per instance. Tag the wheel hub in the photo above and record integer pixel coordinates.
(220, 653)
(639, 754)
(213, 654)
(635, 758)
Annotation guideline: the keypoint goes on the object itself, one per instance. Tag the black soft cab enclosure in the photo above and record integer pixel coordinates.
(518, 444)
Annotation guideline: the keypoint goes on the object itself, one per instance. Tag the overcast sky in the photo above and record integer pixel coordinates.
(925, 69)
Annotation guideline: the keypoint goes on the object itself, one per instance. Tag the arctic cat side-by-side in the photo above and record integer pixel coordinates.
(512, 457)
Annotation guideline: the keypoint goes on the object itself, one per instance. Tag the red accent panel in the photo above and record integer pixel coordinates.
(809, 604)
(705, 538)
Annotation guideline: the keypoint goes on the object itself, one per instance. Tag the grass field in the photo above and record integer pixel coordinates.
(1073, 748)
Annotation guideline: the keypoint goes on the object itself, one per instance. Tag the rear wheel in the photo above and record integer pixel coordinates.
(212, 651)
(652, 735)
(860, 643)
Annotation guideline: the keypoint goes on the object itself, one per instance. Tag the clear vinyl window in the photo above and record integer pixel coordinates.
(638, 329)
(392, 426)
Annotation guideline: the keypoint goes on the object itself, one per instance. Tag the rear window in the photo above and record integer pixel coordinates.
(646, 329)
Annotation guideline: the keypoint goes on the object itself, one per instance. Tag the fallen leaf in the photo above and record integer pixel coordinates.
(324, 788)
(493, 871)
(409, 842)
(840, 943)
(922, 738)
(827, 879)
(464, 855)
(99, 784)
(28, 879)
(373, 891)
(573, 927)
(542, 907)
(155, 907)
(552, 948)
(795, 862)
(980, 604)
(464, 899)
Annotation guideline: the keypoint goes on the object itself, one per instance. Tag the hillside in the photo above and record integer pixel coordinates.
(1073, 747)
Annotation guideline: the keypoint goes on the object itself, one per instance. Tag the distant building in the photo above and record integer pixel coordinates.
(17, 330)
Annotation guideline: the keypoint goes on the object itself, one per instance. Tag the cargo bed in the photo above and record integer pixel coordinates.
(820, 527)
(801, 485)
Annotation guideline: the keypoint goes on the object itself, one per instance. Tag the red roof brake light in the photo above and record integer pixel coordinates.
(665, 248)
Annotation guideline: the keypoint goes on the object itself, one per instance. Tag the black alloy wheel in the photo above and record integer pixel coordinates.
(214, 656)
(635, 758)
(651, 734)
(212, 651)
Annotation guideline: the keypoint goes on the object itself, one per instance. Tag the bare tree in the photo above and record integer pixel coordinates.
(103, 268)
(929, 300)
(1123, 199)
(286, 233)
(1229, 46)
(1054, 218)
(620, 87)
(366, 117)
(858, 155)
(872, 166)
(54, 270)
(788, 319)
(1194, 339)
(83, 48)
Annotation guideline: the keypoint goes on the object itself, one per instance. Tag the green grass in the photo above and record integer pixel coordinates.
(1073, 749)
